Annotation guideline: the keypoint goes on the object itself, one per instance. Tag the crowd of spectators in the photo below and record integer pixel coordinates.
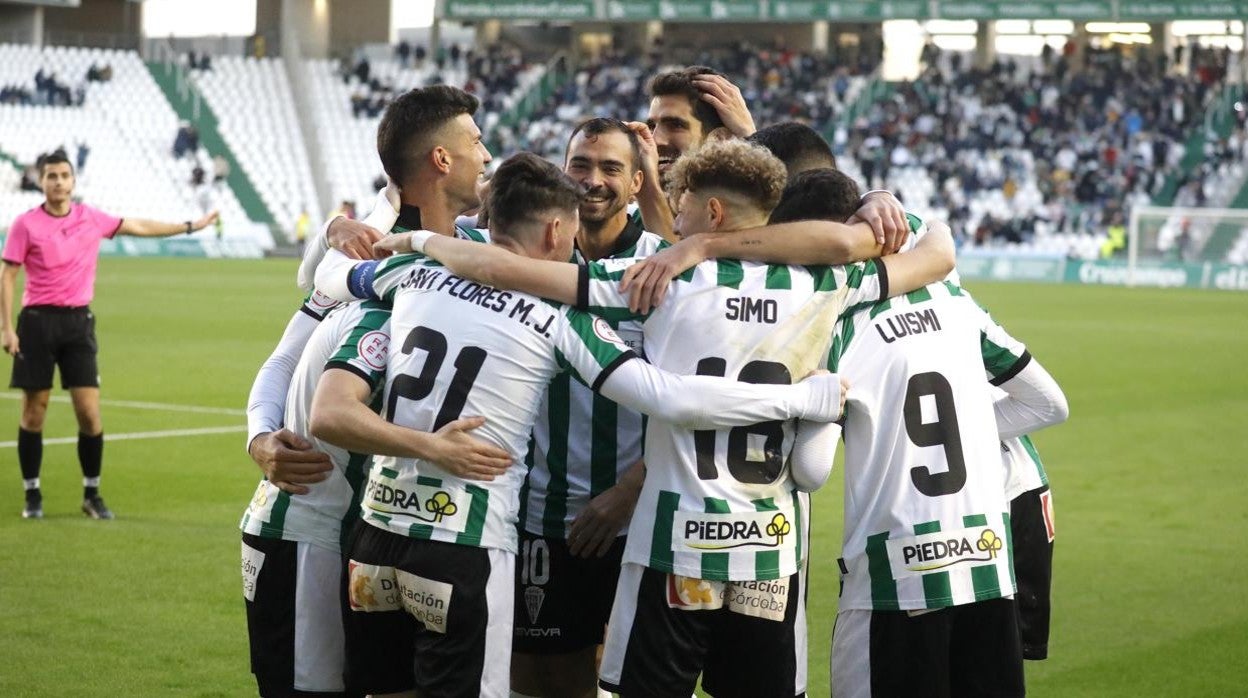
(50, 90)
(1090, 139)
(778, 85)
(492, 74)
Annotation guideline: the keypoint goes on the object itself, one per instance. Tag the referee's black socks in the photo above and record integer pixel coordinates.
(30, 456)
(91, 457)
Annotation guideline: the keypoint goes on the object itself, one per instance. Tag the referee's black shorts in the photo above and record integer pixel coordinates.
(51, 336)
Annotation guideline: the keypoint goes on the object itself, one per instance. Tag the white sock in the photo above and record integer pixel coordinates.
(31, 484)
(90, 482)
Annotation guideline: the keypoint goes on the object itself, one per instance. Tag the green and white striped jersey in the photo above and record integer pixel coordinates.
(582, 442)
(1023, 470)
(464, 349)
(926, 516)
(354, 337)
(721, 505)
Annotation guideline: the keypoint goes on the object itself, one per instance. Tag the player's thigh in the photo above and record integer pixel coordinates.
(759, 648)
(882, 654)
(380, 635)
(35, 362)
(1032, 530)
(461, 598)
(986, 655)
(654, 647)
(294, 623)
(77, 351)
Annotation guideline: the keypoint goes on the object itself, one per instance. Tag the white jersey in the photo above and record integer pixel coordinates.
(464, 349)
(582, 441)
(354, 337)
(926, 517)
(1023, 470)
(721, 505)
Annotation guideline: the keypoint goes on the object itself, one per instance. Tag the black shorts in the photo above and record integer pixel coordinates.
(54, 336)
(563, 602)
(754, 646)
(427, 615)
(294, 604)
(1031, 525)
(967, 651)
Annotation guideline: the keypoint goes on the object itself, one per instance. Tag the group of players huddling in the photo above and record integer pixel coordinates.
(488, 450)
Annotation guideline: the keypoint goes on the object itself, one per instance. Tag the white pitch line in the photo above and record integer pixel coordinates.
(141, 435)
(199, 409)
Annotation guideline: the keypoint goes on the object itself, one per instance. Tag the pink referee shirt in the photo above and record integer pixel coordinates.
(59, 253)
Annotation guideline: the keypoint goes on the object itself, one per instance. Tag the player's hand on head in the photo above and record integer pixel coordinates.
(649, 148)
(352, 238)
(398, 243)
(466, 456)
(12, 346)
(728, 102)
(887, 218)
(289, 461)
(646, 282)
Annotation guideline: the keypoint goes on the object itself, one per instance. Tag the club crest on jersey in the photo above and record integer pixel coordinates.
(605, 332)
(711, 532)
(372, 349)
(944, 549)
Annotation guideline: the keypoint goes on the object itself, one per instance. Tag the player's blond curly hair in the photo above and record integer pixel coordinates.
(747, 170)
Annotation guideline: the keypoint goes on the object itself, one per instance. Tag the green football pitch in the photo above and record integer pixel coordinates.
(1151, 565)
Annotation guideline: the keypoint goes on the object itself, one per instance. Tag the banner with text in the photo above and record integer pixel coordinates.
(986, 266)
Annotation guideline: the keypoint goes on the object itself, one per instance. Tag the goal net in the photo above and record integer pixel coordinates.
(1161, 235)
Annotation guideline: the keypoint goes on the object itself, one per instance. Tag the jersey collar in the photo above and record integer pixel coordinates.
(626, 241)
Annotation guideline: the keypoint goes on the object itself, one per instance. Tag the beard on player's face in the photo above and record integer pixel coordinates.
(600, 203)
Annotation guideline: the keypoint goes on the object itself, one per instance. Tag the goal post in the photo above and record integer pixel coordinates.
(1163, 235)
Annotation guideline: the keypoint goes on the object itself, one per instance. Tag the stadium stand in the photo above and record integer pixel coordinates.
(348, 109)
(128, 127)
(252, 100)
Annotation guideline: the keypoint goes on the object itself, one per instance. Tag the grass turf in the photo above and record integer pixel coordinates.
(1148, 585)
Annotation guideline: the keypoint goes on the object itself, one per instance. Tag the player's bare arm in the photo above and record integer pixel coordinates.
(145, 228)
(656, 213)
(595, 529)
(8, 286)
(341, 416)
(289, 461)
(492, 265)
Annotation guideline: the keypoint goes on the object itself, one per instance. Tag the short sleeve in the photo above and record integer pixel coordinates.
(388, 275)
(365, 347)
(107, 225)
(864, 283)
(599, 292)
(17, 242)
(1004, 357)
(589, 346)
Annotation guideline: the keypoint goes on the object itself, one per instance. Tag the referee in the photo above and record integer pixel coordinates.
(58, 242)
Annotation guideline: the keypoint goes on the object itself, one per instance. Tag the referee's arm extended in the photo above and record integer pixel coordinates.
(144, 228)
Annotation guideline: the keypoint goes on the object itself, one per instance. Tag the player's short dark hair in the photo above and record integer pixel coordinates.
(600, 125)
(798, 146)
(55, 158)
(410, 123)
(680, 82)
(825, 194)
(525, 186)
